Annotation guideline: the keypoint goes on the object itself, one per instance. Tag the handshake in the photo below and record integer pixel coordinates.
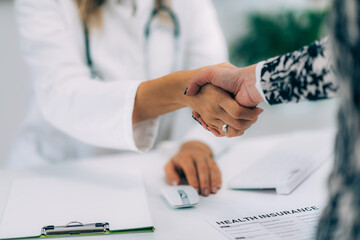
(224, 98)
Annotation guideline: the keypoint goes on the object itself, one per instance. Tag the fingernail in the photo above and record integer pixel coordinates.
(196, 120)
(261, 111)
(206, 191)
(174, 183)
(214, 189)
(185, 91)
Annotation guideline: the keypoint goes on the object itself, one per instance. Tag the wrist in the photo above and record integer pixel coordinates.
(196, 146)
(181, 81)
(159, 96)
(249, 84)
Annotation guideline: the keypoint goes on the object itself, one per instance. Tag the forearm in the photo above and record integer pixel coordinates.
(160, 96)
(301, 75)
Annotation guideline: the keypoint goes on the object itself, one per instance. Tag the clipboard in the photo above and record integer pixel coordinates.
(82, 202)
(78, 228)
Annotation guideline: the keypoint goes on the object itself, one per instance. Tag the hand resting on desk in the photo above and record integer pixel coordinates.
(194, 160)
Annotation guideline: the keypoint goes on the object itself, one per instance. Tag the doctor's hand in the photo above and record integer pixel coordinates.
(238, 81)
(166, 94)
(194, 161)
(217, 107)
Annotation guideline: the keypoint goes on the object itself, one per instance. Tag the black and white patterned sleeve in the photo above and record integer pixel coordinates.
(301, 75)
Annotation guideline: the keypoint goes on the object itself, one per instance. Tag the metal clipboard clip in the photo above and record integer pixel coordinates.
(74, 228)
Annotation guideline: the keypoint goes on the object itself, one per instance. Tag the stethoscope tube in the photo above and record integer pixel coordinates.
(95, 75)
(172, 16)
(176, 34)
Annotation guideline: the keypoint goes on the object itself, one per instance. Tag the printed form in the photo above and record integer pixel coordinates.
(289, 224)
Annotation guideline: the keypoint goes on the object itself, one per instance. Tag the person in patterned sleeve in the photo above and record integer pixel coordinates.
(309, 74)
(304, 74)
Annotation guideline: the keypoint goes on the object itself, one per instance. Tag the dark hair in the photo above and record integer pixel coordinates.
(341, 218)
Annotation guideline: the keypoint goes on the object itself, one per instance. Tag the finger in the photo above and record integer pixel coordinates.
(216, 125)
(187, 165)
(215, 175)
(203, 174)
(200, 80)
(237, 124)
(215, 132)
(239, 112)
(247, 124)
(233, 132)
(203, 123)
(172, 176)
(198, 118)
(195, 114)
(231, 113)
(212, 121)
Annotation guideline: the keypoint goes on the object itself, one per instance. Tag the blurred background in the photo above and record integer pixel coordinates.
(254, 30)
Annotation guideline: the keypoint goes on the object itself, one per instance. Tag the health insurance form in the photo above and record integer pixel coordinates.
(297, 223)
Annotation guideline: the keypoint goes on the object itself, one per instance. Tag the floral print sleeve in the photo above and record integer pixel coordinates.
(301, 75)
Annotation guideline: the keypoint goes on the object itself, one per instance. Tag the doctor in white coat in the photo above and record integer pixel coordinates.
(90, 60)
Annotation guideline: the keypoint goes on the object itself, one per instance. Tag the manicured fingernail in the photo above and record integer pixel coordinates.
(174, 183)
(185, 91)
(206, 191)
(214, 189)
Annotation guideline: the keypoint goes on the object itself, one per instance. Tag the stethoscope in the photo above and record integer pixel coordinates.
(97, 76)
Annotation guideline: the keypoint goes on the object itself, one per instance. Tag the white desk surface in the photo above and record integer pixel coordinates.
(186, 223)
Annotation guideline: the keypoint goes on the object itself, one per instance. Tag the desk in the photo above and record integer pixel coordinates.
(186, 223)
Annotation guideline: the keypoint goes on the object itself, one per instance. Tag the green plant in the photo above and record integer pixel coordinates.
(274, 34)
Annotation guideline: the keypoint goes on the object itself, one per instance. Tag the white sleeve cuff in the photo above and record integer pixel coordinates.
(140, 136)
(145, 134)
(259, 66)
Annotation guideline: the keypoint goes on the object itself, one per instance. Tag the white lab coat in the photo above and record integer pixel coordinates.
(72, 116)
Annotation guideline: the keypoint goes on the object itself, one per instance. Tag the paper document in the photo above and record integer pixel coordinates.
(291, 224)
(116, 198)
(289, 162)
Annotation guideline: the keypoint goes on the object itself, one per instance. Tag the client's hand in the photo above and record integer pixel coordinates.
(166, 94)
(238, 81)
(194, 160)
(216, 108)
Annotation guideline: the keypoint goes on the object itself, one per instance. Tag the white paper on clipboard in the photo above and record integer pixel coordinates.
(37, 202)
